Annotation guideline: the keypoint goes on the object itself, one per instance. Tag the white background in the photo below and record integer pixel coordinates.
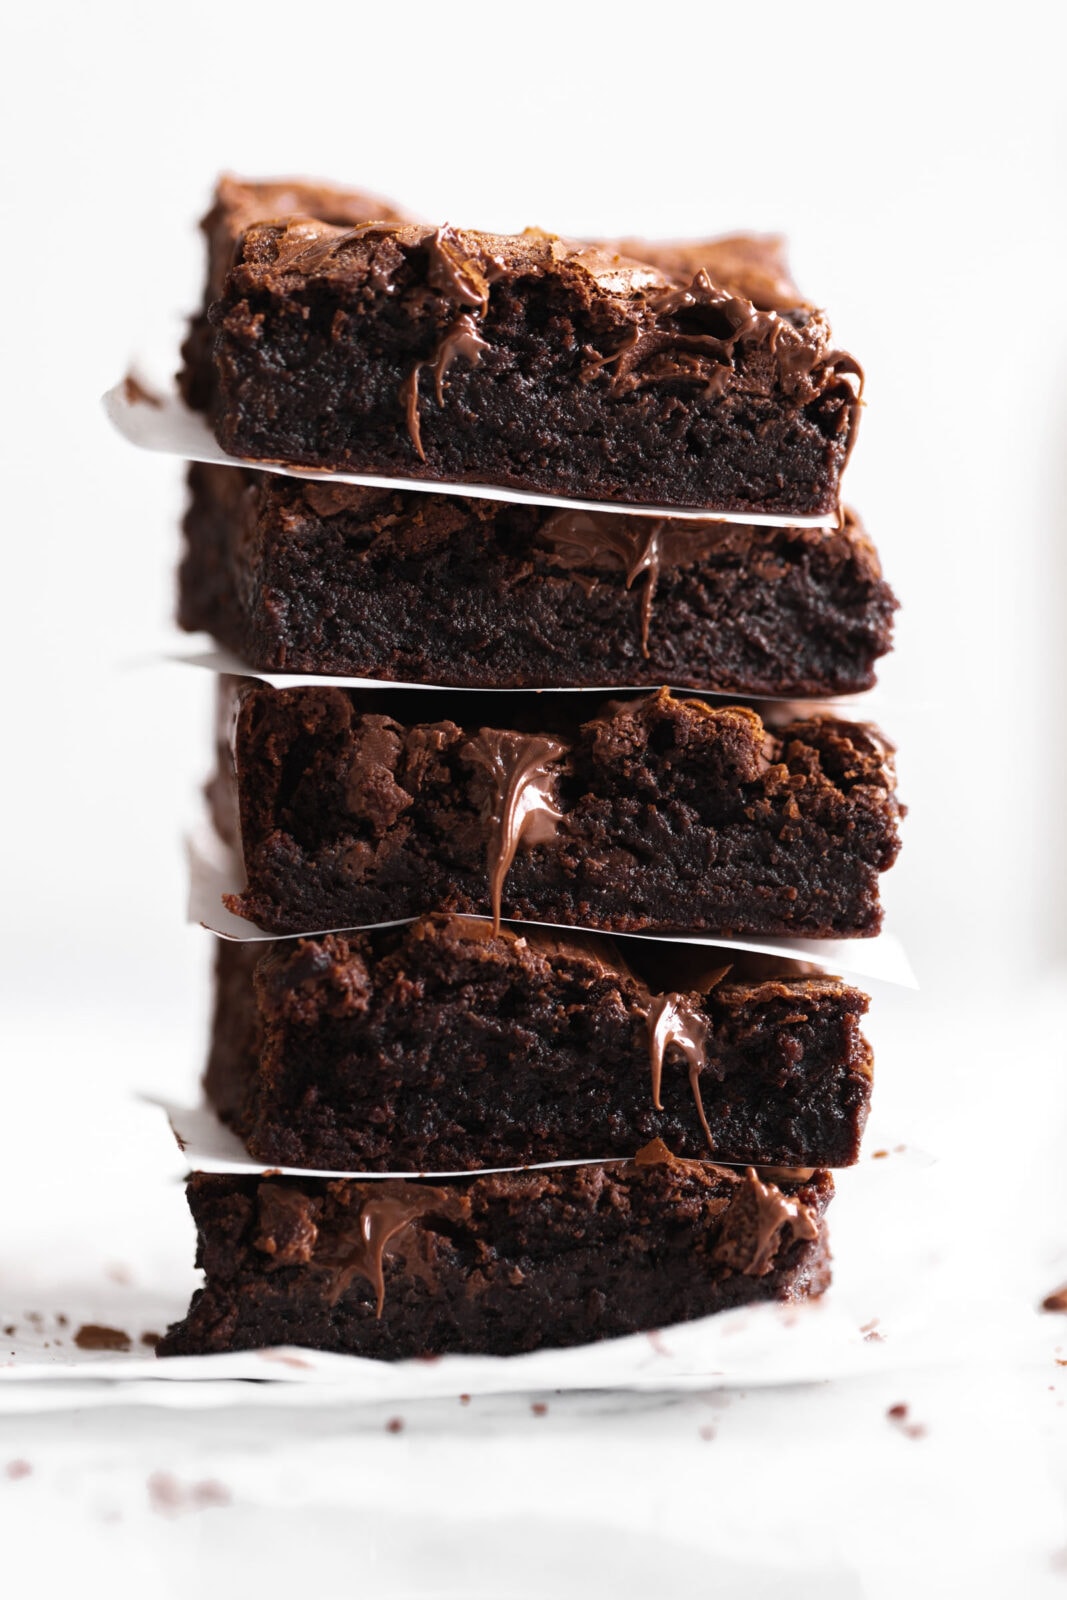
(914, 155)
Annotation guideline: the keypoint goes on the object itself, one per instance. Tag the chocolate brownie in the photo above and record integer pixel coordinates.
(651, 814)
(237, 204)
(376, 583)
(443, 1045)
(529, 362)
(495, 1264)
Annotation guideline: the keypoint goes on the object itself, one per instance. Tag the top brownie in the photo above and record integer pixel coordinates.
(692, 375)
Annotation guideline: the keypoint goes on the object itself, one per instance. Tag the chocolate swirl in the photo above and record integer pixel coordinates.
(645, 546)
(675, 1020)
(776, 1214)
(518, 804)
(383, 1219)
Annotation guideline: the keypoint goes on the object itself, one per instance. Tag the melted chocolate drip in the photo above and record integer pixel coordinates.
(775, 1213)
(640, 545)
(674, 1020)
(519, 802)
(464, 279)
(361, 1252)
(462, 340)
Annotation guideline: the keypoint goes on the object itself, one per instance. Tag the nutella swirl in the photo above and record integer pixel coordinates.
(646, 546)
(675, 1020)
(518, 803)
(360, 1252)
(777, 1214)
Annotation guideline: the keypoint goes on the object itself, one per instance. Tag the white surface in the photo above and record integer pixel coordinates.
(167, 426)
(915, 157)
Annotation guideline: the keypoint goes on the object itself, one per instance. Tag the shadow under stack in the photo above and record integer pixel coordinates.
(554, 1131)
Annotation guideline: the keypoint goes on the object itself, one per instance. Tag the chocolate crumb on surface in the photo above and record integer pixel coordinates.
(169, 1496)
(898, 1415)
(539, 1408)
(395, 1425)
(1056, 1301)
(17, 1469)
(95, 1336)
(151, 1339)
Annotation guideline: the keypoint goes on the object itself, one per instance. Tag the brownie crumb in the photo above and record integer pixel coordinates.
(1056, 1301)
(898, 1414)
(169, 1497)
(539, 1408)
(871, 1333)
(61, 1320)
(94, 1336)
(151, 1339)
(464, 1399)
(11, 1330)
(395, 1425)
(137, 395)
(17, 1469)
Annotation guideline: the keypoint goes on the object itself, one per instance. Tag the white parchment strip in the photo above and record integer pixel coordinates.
(858, 707)
(170, 428)
(215, 870)
(761, 1344)
(209, 1146)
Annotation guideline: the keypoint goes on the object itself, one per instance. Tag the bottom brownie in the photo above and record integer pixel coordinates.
(496, 1264)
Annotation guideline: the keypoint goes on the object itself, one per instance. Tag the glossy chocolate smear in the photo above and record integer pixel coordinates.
(639, 545)
(777, 1215)
(675, 1020)
(518, 803)
(386, 1214)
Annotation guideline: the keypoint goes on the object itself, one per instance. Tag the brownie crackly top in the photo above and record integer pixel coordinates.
(689, 374)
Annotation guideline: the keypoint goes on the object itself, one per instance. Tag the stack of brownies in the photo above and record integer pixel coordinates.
(660, 1114)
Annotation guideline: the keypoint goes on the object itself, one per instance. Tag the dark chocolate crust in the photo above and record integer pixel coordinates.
(529, 362)
(237, 204)
(496, 1264)
(656, 814)
(373, 583)
(445, 1046)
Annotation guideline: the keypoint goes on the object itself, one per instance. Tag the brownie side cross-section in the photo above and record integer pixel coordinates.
(446, 1046)
(655, 814)
(440, 589)
(496, 1264)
